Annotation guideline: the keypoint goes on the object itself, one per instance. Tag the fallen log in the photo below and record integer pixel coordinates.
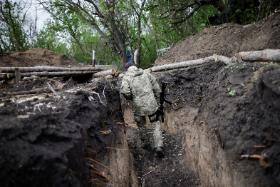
(50, 69)
(184, 64)
(105, 73)
(267, 55)
(46, 73)
(34, 91)
(262, 55)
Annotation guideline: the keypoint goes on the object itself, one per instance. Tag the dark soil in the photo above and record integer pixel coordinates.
(51, 145)
(36, 57)
(227, 39)
(240, 103)
(167, 170)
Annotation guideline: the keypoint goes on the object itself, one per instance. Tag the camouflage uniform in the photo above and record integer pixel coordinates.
(143, 89)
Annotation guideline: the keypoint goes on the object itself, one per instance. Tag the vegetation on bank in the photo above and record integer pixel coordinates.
(111, 27)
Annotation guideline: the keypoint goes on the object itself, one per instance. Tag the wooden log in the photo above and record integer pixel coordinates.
(184, 64)
(34, 91)
(104, 73)
(266, 55)
(50, 69)
(46, 73)
(17, 76)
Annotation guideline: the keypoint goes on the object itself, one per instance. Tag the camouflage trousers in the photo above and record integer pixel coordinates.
(150, 133)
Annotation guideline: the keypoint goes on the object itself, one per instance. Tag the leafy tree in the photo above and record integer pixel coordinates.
(12, 20)
(48, 38)
(110, 27)
(111, 19)
(56, 37)
(174, 20)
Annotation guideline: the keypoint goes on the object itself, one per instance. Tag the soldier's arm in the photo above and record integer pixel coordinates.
(125, 89)
(156, 87)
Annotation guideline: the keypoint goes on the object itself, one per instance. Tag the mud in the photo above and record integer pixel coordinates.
(226, 39)
(169, 170)
(222, 112)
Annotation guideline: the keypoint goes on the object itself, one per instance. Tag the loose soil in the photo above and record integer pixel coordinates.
(36, 57)
(226, 39)
(169, 170)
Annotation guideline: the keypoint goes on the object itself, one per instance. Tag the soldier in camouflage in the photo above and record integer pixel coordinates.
(143, 89)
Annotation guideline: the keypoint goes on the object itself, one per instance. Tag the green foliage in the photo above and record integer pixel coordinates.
(149, 53)
(266, 7)
(231, 92)
(109, 27)
(200, 19)
(48, 38)
(244, 12)
(166, 32)
(13, 37)
(55, 38)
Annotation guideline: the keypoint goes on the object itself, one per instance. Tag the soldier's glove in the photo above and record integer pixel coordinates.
(127, 97)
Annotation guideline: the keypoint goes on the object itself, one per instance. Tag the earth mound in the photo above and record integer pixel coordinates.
(35, 57)
(226, 39)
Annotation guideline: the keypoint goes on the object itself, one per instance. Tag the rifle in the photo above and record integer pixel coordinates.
(159, 114)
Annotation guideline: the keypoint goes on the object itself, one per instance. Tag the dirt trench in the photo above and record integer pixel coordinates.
(223, 113)
(77, 139)
(218, 114)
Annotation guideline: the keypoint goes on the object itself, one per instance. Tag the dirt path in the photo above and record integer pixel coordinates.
(152, 170)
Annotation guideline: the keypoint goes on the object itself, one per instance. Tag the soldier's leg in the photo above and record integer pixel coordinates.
(140, 120)
(157, 136)
(145, 132)
(141, 123)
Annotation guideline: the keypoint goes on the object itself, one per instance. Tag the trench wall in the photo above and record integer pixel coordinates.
(73, 141)
(223, 112)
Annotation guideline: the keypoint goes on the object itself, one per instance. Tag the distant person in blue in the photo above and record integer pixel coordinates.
(129, 59)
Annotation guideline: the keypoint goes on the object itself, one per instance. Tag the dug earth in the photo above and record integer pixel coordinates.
(222, 129)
